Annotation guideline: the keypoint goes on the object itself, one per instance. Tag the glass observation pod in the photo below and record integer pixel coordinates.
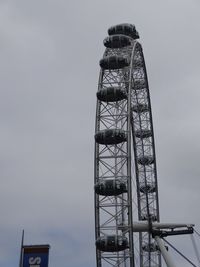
(110, 137)
(146, 217)
(145, 160)
(153, 247)
(140, 84)
(117, 41)
(138, 63)
(140, 108)
(111, 94)
(114, 62)
(143, 133)
(125, 28)
(112, 187)
(148, 188)
(112, 243)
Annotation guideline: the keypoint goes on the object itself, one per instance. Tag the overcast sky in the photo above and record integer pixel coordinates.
(49, 54)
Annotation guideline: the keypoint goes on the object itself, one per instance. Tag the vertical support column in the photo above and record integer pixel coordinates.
(164, 252)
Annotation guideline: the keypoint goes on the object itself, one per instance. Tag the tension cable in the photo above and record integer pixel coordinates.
(179, 252)
(195, 248)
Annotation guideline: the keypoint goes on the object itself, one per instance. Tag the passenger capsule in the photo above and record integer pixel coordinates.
(146, 160)
(110, 187)
(112, 243)
(140, 84)
(125, 28)
(114, 62)
(152, 216)
(110, 137)
(111, 94)
(152, 247)
(137, 63)
(140, 108)
(117, 41)
(143, 133)
(148, 188)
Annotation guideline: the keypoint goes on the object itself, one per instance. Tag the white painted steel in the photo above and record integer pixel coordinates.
(144, 226)
(164, 252)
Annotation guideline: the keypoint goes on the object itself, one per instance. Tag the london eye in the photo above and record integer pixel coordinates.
(125, 173)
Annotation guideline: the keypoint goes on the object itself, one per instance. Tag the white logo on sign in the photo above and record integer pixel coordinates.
(35, 262)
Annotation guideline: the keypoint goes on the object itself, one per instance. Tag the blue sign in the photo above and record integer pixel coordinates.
(35, 256)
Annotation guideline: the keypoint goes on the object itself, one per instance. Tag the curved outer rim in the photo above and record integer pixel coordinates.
(138, 45)
(153, 143)
(96, 203)
(130, 135)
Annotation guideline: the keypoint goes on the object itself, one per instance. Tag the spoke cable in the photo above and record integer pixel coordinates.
(197, 232)
(181, 254)
(195, 248)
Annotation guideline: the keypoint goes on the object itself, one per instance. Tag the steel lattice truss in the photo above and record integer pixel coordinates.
(129, 118)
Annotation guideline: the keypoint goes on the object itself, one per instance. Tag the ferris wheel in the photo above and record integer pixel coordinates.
(125, 161)
(127, 228)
